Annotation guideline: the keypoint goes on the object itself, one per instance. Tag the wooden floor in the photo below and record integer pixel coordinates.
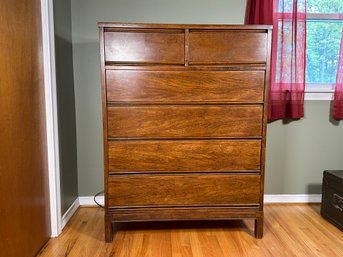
(290, 230)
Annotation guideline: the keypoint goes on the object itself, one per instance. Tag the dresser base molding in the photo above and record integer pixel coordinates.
(114, 216)
(88, 201)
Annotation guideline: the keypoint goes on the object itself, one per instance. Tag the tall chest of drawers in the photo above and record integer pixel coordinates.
(184, 119)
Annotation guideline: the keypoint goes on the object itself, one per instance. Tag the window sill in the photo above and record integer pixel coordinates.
(313, 96)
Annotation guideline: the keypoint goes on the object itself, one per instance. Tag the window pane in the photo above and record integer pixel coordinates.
(287, 6)
(324, 6)
(322, 49)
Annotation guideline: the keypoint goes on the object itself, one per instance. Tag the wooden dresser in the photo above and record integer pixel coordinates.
(184, 118)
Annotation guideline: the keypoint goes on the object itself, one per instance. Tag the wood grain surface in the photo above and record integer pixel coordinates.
(162, 47)
(184, 86)
(24, 185)
(183, 190)
(180, 100)
(184, 155)
(290, 230)
(184, 121)
(218, 47)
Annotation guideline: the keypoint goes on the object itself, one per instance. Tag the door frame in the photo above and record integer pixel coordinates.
(48, 39)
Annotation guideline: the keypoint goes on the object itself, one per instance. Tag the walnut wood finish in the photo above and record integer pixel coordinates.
(184, 121)
(184, 118)
(24, 194)
(224, 46)
(161, 46)
(184, 155)
(183, 190)
(184, 86)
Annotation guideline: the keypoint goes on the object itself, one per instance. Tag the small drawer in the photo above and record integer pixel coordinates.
(184, 155)
(184, 121)
(183, 190)
(225, 47)
(184, 86)
(145, 46)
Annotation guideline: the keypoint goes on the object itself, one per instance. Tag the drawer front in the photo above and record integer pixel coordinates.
(164, 47)
(183, 190)
(184, 121)
(184, 155)
(185, 86)
(220, 47)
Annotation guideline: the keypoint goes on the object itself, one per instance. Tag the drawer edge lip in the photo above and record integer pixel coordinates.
(244, 66)
(224, 139)
(239, 207)
(195, 103)
(186, 173)
(109, 64)
(116, 104)
(246, 138)
(228, 63)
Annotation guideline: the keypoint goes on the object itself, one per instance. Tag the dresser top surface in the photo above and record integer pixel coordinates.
(183, 26)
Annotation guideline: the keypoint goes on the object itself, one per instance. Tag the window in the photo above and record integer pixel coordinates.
(323, 36)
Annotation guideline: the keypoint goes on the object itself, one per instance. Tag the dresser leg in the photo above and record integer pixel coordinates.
(259, 227)
(108, 228)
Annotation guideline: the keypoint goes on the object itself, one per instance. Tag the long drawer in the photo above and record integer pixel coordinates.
(203, 121)
(224, 47)
(183, 155)
(184, 86)
(183, 190)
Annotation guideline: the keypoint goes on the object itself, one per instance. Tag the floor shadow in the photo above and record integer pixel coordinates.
(184, 225)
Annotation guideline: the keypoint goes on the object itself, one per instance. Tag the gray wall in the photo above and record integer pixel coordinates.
(298, 152)
(65, 102)
(314, 137)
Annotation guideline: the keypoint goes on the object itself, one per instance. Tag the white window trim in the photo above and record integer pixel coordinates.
(312, 96)
(322, 91)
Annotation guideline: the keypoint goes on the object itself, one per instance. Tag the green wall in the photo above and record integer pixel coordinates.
(314, 137)
(65, 103)
(299, 151)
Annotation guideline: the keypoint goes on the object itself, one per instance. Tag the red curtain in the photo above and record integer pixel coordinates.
(286, 97)
(286, 94)
(338, 96)
(259, 12)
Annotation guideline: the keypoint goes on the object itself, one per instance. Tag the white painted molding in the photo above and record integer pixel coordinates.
(290, 198)
(293, 198)
(89, 200)
(51, 115)
(311, 96)
(70, 212)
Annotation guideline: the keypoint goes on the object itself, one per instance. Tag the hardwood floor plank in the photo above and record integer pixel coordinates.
(290, 230)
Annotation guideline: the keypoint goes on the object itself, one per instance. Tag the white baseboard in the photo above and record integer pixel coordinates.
(70, 212)
(289, 198)
(293, 198)
(89, 200)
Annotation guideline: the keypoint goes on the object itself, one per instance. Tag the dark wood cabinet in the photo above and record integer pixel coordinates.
(184, 118)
